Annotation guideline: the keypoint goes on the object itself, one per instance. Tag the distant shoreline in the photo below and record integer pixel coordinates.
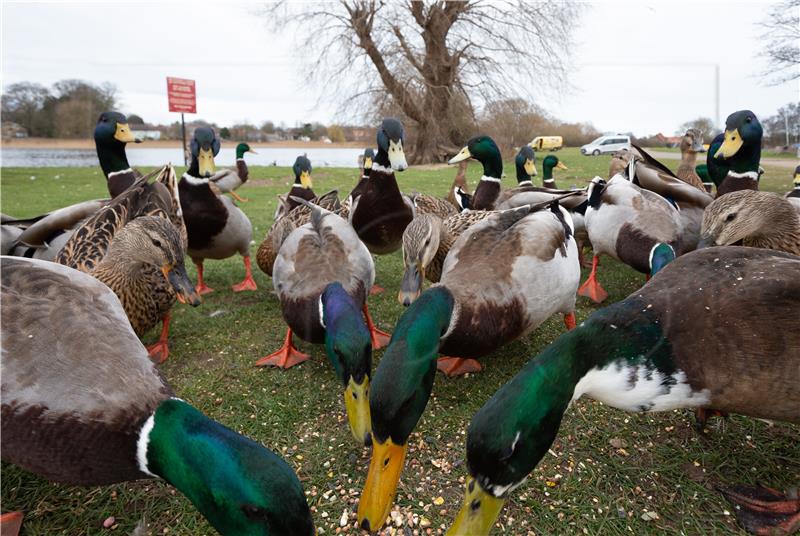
(57, 143)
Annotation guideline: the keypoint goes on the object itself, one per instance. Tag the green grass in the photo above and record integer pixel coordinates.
(664, 466)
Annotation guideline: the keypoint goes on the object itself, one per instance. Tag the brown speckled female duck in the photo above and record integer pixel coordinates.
(136, 250)
(691, 145)
(752, 218)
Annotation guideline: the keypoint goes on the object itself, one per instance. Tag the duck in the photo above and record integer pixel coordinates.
(714, 171)
(691, 145)
(43, 236)
(752, 218)
(639, 355)
(549, 163)
(228, 180)
(216, 227)
(381, 213)
(627, 222)
(459, 194)
(426, 242)
(322, 277)
(283, 227)
(528, 265)
(302, 187)
(135, 247)
(794, 193)
(84, 405)
(740, 152)
(525, 164)
(111, 134)
(366, 166)
(484, 150)
(691, 200)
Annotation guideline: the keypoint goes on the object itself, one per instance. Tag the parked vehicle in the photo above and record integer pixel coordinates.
(552, 143)
(607, 144)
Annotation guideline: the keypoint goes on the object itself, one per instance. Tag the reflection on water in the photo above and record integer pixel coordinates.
(283, 156)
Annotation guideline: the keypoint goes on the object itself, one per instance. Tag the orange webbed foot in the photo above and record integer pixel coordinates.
(457, 366)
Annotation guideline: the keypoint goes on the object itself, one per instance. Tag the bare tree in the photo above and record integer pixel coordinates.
(22, 103)
(431, 60)
(782, 42)
(703, 124)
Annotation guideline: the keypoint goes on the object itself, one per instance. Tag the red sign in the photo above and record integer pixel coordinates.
(181, 94)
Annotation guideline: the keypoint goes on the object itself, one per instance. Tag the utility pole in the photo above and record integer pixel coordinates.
(716, 96)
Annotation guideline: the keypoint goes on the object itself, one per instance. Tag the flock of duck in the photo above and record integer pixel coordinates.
(83, 401)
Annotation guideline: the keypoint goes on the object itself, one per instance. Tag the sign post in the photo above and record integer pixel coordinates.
(182, 98)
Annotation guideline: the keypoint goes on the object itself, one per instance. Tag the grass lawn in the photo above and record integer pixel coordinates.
(658, 464)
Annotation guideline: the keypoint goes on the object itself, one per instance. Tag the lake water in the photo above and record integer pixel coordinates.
(279, 156)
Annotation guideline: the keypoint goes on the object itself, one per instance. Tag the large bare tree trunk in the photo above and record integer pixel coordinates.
(431, 59)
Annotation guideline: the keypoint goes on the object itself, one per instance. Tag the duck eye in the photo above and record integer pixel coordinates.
(254, 513)
(156, 242)
(730, 217)
(749, 119)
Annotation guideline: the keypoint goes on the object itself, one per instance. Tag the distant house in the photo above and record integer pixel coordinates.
(669, 141)
(13, 130)
(145, 132)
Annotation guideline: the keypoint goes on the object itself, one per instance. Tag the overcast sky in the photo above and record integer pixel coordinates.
(642, 66)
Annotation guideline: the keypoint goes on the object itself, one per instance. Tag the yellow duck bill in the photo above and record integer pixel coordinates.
(356, 402)
(377, 498)
(205, 161)
(397, 156)
(124, 133)
(530, 167)
(730, 145)
(478, 513)
(463, 154)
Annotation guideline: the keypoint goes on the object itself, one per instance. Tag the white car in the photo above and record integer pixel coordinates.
(607, 144)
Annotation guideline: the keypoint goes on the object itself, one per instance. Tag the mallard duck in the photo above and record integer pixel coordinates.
(83, 405)
(426, 242)
(691, 145)
(650, 174)
(626, 222)
(134, 247)
(302, 187)
(484, 150)
(794, 193)
(111, 134)
(641, 355)
(365, 166)
(217, 228)
(752, 218)
(322, 277)
(740, 152)
(381, 213)
(283, 227)
(525, 164)
(528, 266)
(716, 170)
(550, 163)
(43, 236)
(459, 194)
(228, 180)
